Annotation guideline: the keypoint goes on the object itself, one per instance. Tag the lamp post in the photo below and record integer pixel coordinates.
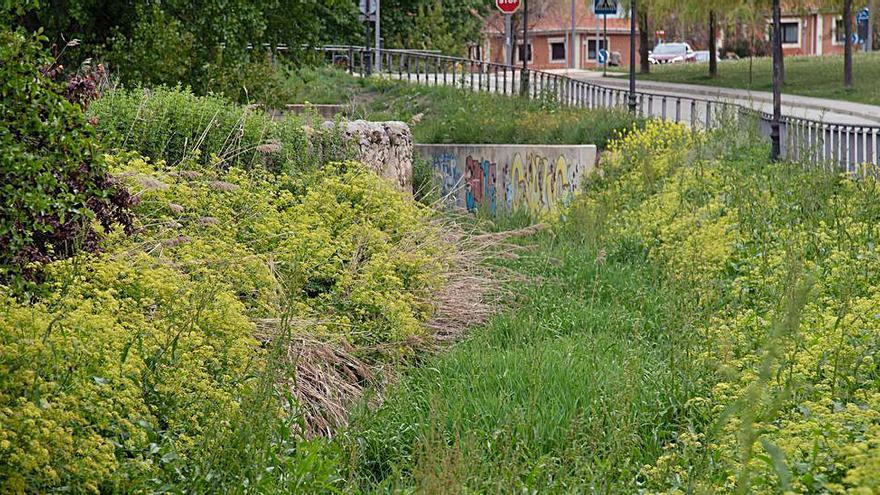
(632, 58)
(524, 84)
(777, 85)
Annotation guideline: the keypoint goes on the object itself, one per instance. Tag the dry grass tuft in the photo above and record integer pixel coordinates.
(325, 379)
(219, 185)
(472, 286)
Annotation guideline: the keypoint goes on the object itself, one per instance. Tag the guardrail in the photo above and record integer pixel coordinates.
(846, 146)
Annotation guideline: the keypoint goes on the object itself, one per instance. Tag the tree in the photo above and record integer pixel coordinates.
(644, 41)
(446, 25)
(847, 47)
(713, 45)
(200, 43)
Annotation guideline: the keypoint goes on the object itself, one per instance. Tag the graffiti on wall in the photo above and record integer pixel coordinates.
(481, 180)
(447, 176)
(533, 181)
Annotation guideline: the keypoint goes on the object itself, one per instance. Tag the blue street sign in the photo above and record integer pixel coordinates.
(862, 16)
(855, 39)
(605, 7)
(602, 56)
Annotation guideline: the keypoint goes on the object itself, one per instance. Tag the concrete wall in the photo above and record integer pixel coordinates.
(506, 177)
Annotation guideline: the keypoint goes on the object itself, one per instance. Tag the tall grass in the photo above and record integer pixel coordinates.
(579, 385)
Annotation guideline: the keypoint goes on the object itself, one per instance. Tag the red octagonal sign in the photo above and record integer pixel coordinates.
(507, 6)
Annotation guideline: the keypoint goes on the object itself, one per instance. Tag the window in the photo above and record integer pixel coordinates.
(519, 52)
(557, 51)
(591, 48)
(790, 32)
(839, 31)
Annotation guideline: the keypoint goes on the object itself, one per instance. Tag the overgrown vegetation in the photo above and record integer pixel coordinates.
(54, 185)
(446, 114)
(255, 290)
(700, 321)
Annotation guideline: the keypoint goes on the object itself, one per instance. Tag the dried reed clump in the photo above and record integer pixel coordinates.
(206, 221)
(219, 185)
(325, 379)
(151, 183)
(473, 287)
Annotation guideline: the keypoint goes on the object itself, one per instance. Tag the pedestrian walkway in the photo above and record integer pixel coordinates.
(822, 109)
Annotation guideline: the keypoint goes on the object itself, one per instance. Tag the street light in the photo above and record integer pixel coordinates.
(777, 84)
(632, 58)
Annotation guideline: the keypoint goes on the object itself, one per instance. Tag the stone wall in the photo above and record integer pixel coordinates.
(386, 147)
(532, 177)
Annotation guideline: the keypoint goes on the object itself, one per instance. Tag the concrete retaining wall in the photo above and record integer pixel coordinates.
(508, 176)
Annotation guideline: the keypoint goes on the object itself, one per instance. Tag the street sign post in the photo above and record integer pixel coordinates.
(507, 6)
(605, 7)
(602, 56)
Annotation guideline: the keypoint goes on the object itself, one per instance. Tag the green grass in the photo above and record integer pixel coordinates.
(820, 77)
(574, 390)
(444, 114)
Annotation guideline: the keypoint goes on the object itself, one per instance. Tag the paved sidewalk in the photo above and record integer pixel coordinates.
(830, 111)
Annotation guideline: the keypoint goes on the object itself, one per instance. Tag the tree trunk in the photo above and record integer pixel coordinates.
(847, 47)
(713, 49)
(644, 62)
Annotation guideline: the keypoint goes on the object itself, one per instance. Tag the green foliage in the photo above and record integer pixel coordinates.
(175, 126)
(139, 369)
(704, 322)
(445, 25)
(53, 185)
(573, 389)
(444, 114)
(782, 258)
(201, 44)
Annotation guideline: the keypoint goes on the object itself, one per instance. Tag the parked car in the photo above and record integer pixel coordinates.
(672, 53)
(701, 56)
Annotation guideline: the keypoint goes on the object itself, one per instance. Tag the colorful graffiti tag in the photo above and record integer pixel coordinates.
(481, 180)
(533, 180)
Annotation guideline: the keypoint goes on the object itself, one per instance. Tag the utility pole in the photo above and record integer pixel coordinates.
(524, 86)
(508, 42)
(777, 84)
(607, 52)
(632, 58)
(378, 39)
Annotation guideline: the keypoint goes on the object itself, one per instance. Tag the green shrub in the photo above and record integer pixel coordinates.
(124, 367)
(351, 253)
(173, 125)
(139, 368)
(53, 183)
(783, 259)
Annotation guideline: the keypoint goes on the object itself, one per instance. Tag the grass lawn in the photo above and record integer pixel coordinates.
(821, 77)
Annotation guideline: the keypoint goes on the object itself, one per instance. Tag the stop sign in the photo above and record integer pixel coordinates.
(507, 6)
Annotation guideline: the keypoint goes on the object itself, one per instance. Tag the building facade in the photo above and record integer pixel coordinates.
(550, 42)
(804, 32)
(813, 33)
